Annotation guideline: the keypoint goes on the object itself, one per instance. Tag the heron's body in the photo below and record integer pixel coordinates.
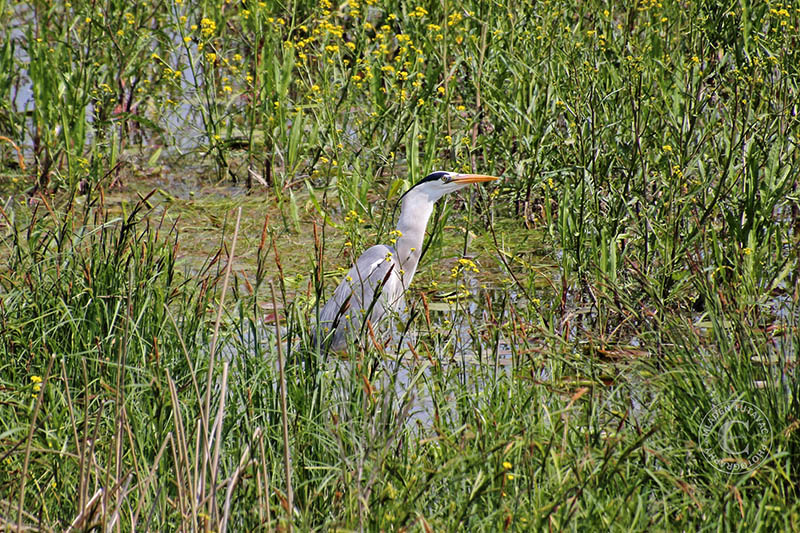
(378, 280)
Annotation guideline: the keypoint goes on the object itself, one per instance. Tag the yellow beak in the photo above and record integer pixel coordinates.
(473, 178)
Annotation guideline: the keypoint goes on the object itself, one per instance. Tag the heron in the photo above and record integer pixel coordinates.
(376, 284)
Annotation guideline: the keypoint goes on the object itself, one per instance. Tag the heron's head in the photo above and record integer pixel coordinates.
(437, 184)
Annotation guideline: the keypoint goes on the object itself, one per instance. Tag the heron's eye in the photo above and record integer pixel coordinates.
(446, 178)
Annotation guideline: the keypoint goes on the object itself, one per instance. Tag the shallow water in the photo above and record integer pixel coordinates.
(408, 381)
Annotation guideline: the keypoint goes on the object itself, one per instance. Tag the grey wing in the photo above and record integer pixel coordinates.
(371, 286)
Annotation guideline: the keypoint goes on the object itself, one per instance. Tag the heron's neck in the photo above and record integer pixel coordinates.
(414, 215)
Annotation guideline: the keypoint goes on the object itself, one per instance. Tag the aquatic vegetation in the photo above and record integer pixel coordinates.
(585, 342)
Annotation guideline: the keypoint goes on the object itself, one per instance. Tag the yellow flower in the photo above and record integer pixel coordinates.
(37, 383)
(209, 26)
(507, 465)
(227, 89)
(667, 148)
(747, 251)
(419, 11)
(510, 477)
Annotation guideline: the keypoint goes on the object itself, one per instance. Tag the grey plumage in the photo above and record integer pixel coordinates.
(376, 283)
(370, 287)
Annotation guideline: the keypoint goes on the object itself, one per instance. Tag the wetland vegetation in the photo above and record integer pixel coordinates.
(606, 339)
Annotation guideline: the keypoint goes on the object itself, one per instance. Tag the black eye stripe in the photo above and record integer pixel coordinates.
(433, 176)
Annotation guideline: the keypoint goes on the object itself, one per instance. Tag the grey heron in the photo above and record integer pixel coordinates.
(377, 281)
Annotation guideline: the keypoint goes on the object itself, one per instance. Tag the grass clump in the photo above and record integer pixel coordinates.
(568, 336)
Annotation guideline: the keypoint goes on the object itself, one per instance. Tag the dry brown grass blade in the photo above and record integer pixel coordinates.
(287, 458)
(265, 475)
(123, 493)
(143, 489)
(181, 456)
(20, 158)
(216, 437)
(211, 362)
(244, 462)
(87, 511)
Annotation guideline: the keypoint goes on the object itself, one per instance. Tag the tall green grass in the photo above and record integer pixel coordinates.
(640, 262)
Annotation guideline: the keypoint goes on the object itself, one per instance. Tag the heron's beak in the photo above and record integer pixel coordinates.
(473, 178)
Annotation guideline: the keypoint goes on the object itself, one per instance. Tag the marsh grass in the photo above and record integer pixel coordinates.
(569, 331)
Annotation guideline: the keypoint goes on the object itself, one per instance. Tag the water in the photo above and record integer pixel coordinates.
(183, 124)
(414, 386)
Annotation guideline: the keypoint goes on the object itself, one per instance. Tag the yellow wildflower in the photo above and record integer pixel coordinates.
(208, 27)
